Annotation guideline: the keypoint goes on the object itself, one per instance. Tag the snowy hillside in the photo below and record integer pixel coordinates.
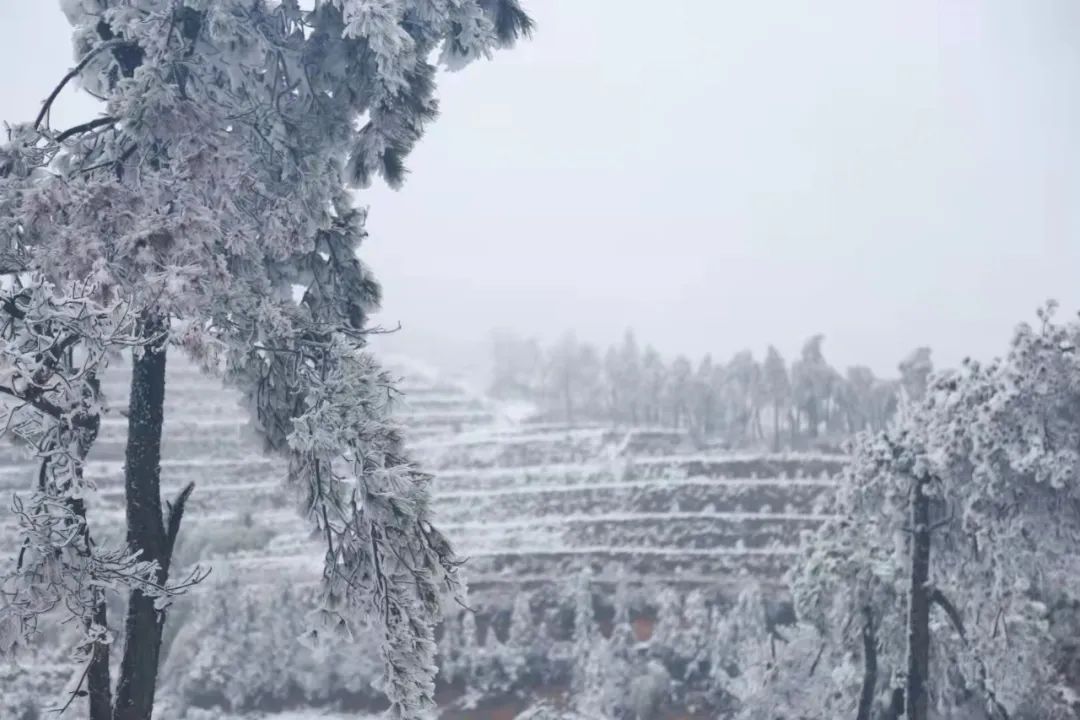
(531, 507)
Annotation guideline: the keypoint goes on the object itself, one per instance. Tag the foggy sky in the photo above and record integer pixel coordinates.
(721, 175)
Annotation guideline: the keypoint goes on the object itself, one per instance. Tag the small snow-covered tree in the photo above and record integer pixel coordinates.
(694, 643)
(573, 380)
(915, 371)
(585, 632)
(207, 208)
(668, 628)
(516, 366)
(743, 392)
(653, 383)
(812, 384)
(627, 376)
(704, 401)
(857, 399)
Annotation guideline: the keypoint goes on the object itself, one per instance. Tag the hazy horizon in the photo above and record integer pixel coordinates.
(720, 177)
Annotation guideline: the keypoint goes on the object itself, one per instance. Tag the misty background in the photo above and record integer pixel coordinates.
(720, 176)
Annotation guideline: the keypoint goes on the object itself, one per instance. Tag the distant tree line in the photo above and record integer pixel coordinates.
(744, 402)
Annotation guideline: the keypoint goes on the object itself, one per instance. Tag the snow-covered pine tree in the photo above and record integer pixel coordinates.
(695, 645)
(585, 631)
(958, 531)
(207, 208)
(629, 379)
(915, 371)
(704, 401)
(653, 379)
(777, 390)
(680, 389)
(668, 628)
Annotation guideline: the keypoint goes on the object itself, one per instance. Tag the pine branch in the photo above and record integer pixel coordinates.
(73, 73)
(86, 127)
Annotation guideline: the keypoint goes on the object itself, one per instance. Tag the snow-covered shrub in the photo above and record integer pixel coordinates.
(243, 649)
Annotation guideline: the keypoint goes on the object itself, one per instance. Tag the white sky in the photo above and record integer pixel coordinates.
(721, 174)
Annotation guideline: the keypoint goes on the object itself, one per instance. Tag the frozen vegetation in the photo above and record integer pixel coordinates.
(607, 581)
(576, 504)
(199, 440)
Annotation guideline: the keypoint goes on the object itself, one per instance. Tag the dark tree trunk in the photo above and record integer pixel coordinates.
(870, 668)
(917, 697)
(896, 705)
(145, 524)
(98, 682)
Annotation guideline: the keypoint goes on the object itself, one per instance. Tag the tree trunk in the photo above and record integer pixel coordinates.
(917, 697)
(896, 705)
(568, 399)
(145, 524)
(776, 427)
(870, 668)
(98, 681)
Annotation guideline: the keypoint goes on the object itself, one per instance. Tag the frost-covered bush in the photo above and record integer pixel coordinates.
(245, 648)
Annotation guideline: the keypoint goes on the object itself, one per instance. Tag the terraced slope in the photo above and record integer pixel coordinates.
(522, 502)
(530, 506)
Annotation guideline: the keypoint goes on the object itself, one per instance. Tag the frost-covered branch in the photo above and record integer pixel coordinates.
(56, 344)
(74, 73)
